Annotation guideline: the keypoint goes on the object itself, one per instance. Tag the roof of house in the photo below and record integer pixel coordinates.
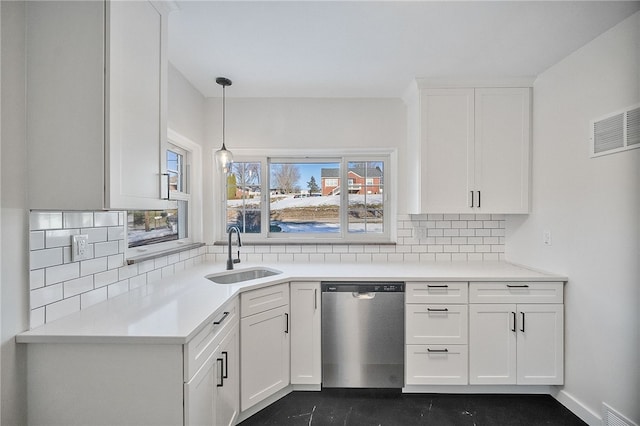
(360, 171)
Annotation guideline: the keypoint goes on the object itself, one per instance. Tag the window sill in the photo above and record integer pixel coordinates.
(154, 255)
(282, 242)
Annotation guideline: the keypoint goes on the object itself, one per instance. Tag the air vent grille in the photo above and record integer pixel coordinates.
(616, 132)
(611, 417)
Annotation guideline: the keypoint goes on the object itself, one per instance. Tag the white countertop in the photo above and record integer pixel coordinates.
(172, 310)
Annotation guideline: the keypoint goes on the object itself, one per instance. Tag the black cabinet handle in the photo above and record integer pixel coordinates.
(438, 350)
(315, 299)
(224, 317)
(437, 310)
(513, 314)
(471, 198)
(518, 285)
(522, 329)
(286, 319)
(220, 362)
(437, 286)
(479, 199)
(225, 375)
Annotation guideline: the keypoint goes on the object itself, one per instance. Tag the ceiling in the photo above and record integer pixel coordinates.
(374, 48)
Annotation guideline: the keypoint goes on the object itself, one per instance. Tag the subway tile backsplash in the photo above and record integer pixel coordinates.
(59, 287)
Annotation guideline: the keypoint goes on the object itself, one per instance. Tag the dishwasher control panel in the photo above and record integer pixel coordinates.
(362, 287)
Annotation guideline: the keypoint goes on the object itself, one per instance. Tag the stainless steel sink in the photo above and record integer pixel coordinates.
(234, 277)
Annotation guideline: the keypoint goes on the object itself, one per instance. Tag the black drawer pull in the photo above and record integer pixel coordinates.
(437, 310)
(437, 286)
(224, 317)
(225, 375)
(442, 351)
(518, 285)
(513, 314)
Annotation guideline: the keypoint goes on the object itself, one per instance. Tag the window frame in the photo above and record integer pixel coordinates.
(343, 157)
(192, 175)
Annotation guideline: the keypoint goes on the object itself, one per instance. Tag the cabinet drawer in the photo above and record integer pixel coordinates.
(516, 292)
(198, 349)
(436, 324)
(436, 292)
(263, 299)
(437, 365)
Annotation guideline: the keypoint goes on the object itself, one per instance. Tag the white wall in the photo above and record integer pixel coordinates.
(14, 217)
(301, 123)
(592, 208)
(185, 107)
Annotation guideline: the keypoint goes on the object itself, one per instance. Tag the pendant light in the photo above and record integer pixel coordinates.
(224, 158)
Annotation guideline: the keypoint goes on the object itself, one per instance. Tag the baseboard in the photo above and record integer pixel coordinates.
(263, 404)
(510, 389)
(578, 408)
(307, 388)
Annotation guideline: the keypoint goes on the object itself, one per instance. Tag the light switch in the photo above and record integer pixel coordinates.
(546, 238)
(79, 247)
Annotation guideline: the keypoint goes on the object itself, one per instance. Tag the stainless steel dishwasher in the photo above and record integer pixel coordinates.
(362, 334)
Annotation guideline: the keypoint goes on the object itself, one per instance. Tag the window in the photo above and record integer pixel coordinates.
(271, 198)
(162, 229)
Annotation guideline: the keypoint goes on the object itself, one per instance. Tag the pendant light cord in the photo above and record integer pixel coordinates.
(224, 103)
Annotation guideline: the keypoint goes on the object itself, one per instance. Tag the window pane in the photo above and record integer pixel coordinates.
(244, 198)
(152, 226)
(304, 197)
(366, 202)
(175, 164)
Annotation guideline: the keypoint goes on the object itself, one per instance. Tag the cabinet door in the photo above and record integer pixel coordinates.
(228, 381)
(137, 128)
(199, 395)
(502, 140)
(540, 344)
(447, 150)
(264, 358)
(306, 363)
(492, 344)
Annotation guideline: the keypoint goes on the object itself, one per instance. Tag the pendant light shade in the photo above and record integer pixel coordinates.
(224, 158)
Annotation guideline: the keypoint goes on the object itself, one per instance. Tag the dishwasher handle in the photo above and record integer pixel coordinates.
(363, 295)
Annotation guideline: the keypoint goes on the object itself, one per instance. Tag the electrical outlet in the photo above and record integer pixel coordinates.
(79, 247)
(546, 238)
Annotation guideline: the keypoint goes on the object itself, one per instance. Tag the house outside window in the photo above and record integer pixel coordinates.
(301, 198)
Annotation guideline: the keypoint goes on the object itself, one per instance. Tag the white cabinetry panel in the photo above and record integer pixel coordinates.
(306, 353)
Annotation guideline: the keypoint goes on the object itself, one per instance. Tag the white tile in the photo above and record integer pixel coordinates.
(36, 279)
(427, 257)
(173, 258)
(127, 271)
(443, 240)
(118, 288)
(261, 249)
(379, 258)
(115, 233)
(419, 249)
(145, 266)
(301, 257)
(45, 220)
(269, 257)
(155, 275)
(483, 217)
(498, 232)
(372, 248)
(115, 261)
(347, 257)
(105, 249)
(403, 249)
(56, 274)
(92, 297)
(59, 238)
(459, 240)
(356, 248)
(137, 281)
(497, 249)
(467, 248)
(388, 248)
(435, 232)
(316, 258)
(459, 224)
(37, 318)
(490, 240)
(184, 255)
(332, 257)
(467, 217)
(255, 258)
(427, 224)
(93, 266)
(473, 257)
(483, 249)
(291, 248)
(309, 248)
(105, 219)
(105, 278)
(435, 217)
(490, 256)
(285, 257)
(121, 218)
(442, 224)
(77, 219)
(395, 257)
(77, 286)
(363, 257)
(62, 308)
(459, 257)
(411, 257)
(405, 232)
(160, 262)
(483, 232)
(44, 258)
(340, 248)
(167, 271)
(473, 224)
(96, 235)
(36, 240)
(467, 232)
(443, 257)
(490, 224)
(45, 295)
(474, 240)
(451, 248)
(451, 232)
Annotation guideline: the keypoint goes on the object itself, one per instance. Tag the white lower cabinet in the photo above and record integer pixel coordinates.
(436, 333)
(265, 342)
(227, 402)
(306, 362)
(516, 343)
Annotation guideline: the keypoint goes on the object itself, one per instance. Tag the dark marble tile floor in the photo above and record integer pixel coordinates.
(390, 407)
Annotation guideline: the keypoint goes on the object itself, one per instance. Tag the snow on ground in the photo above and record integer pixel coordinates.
(290, 202)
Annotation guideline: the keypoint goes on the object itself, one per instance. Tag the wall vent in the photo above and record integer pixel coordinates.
(611, 417)
(616, 132)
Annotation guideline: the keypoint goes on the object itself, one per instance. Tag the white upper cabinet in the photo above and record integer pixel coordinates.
(96, 75)
(471, 150)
